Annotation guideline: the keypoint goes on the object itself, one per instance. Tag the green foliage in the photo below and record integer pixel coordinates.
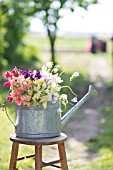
(3, 43)
(13, 26)
(16, 27)
(26, 57)
(110, 87)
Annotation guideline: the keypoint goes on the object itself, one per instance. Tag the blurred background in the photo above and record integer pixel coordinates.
(78, 35)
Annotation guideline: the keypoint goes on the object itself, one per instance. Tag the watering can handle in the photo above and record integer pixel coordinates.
(8, 116)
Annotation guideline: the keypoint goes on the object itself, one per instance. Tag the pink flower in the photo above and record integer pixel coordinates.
(10, 99)
(7, 84)
(13, 94)
(18, 101)
(8, 74)
(26, 98)
(13, 81)
(15, 73)
(26, 103)
(3, 106)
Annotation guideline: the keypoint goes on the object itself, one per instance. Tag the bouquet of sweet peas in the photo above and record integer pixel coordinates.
(33, 88)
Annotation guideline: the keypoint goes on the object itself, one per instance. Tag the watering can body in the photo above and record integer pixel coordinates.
(36, 122)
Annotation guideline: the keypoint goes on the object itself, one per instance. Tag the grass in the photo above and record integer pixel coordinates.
(102, 146)
(61, 42)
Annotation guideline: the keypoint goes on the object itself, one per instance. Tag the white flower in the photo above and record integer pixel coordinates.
(34, 72)
(44, 85)
(56, 69)
(57, 78)
(47, 91)
(49, 65)
(44, 104)
(63, 96)
(36, 96)
(53, 84)
(75, 74)
(46, 98)
(59, 111)
(74, 99)
(56, 88)
(44, 70)
(36, 88)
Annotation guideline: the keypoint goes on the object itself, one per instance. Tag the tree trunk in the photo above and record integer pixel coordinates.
(52, 38)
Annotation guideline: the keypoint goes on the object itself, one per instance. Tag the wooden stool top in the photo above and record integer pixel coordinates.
(39, 141)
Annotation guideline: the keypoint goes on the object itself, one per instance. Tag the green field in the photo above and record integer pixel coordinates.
(71, 52)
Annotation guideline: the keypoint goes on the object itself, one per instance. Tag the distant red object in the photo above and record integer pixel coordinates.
(111, 38)
(96, 45)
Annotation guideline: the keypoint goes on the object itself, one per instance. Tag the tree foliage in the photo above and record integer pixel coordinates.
(3, 19)
(16, 26)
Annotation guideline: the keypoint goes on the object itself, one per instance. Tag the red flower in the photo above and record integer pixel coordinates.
(7, 84)
(8, 74)
(10, 99)
(15, 73)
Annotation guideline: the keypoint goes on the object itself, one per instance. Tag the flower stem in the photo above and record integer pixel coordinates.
(69, 89)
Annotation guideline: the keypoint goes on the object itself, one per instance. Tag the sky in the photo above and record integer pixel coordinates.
(97, 19)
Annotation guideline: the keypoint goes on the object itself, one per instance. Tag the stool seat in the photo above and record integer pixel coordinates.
(38, 143)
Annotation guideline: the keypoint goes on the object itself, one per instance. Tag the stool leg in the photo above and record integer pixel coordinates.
(38, 157)
(14, 154)
(62, 155)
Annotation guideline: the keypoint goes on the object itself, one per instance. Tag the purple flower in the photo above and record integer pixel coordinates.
(38, 75)
(54, 99)
(27, 74)
(20, 71)
(31, 75)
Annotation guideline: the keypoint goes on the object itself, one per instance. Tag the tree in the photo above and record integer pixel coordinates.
(3, 19)
(16, 26)
(50, 12)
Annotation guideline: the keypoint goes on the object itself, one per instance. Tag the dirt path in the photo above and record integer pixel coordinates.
(84, 127)
(85, 124)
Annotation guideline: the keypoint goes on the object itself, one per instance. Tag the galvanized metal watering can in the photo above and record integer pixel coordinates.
(36, 122)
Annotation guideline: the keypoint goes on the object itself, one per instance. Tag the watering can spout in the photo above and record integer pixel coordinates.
(68, 115)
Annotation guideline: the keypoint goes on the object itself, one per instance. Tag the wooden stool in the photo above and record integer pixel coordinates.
(38, 143)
